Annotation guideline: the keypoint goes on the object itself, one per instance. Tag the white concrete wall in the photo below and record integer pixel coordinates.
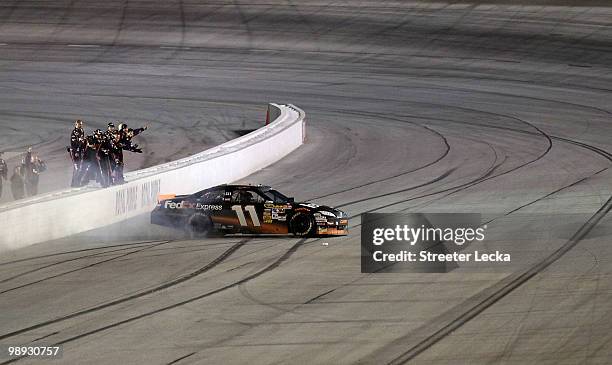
(72, 211)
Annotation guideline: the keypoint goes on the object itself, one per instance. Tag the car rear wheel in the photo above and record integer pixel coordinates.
(302, 225)
(198, 225)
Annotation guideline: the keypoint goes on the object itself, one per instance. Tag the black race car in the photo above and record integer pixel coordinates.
(247, 209)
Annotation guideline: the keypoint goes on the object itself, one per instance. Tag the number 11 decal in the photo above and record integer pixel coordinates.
(252, 212)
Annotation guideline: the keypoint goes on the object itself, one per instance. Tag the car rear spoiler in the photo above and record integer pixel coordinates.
(161, 197)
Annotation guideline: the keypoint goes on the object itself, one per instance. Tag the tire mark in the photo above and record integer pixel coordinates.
(74, 251)
(180, 358)
(433, 181)
(120, 28)
(5, 18)
(571, 243)
(166, 285)
(62, 21)
(597, 150)
(488, 176)
(248, 278)
(45, 336)
(577, 182)
(314, 299)
(81, 268)
(183, 31)
(505, 289)
(65, 261)
(401, 119)
(403, 173)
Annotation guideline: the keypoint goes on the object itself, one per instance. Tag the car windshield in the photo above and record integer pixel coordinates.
(275, 196)
(210, 194)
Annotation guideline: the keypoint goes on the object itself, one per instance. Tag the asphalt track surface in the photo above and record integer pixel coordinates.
(493, 108)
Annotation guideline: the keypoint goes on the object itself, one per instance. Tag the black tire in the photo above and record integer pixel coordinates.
(199, 225)
(302, 225)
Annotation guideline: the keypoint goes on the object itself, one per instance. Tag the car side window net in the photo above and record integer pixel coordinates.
(246, 197)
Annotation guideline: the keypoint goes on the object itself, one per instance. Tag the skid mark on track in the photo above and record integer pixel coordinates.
(167, 285)
(403, 173)
(65, 261)
(268, 268)
(490, 296)
(76, 251)
(180, 358)
(572, 242)
(433, 181)
(501, 290)
(489, 175)
(80, 268)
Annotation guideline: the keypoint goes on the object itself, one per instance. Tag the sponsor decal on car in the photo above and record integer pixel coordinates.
(189, 205)
(267, 216)
(319, 218)
(200, 206)
(310, 205)
(278, 212)
(278, 217)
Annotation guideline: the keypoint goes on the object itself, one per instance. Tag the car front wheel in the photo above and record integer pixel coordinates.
(302, 225)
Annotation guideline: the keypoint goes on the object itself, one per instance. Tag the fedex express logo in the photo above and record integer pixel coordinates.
(189, 205)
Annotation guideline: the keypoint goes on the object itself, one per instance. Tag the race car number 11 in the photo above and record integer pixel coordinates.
(252, 212)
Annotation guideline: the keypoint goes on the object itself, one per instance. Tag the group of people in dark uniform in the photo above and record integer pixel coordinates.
(99, 156)
(25, 178)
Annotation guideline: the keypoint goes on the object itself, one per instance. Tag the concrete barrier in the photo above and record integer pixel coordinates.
(72, 211)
